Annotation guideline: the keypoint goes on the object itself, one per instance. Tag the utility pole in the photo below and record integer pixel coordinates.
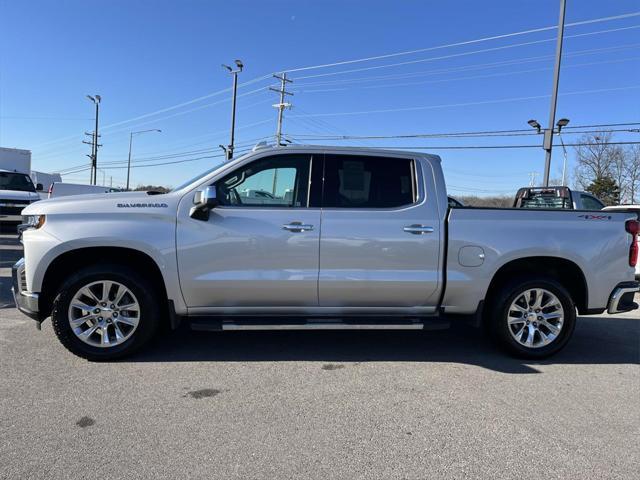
(548, 133)
(282, 104)
(92, 143)
(94, 150)
(239, 66)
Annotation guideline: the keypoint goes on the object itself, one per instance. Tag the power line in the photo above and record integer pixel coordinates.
(249, 125)
(55, 151)
(477, 66)
(513, 133)
(474, 147)
(166, 109)
(470, 134)
(465, 104)
(473, 77)
(178, 161)
(463, 54)
(466, 42)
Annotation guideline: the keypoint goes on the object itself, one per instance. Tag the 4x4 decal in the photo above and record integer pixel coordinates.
(595, 217)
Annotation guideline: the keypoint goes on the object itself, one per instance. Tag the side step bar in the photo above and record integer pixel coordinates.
(323, 326)
(218, 325)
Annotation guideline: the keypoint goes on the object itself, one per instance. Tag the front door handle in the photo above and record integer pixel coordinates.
(297, 227)
(418, 229)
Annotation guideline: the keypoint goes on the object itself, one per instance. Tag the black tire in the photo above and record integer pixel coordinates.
(141, 287)
(497, 323)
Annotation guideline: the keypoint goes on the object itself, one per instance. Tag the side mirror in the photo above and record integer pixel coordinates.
(39, 187)
(203, 202)
(210, 197)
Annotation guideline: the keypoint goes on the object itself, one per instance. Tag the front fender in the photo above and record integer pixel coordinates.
(156, 239)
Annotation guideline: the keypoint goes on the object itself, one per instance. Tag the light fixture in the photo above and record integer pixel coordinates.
(535, 124)
(563, 122)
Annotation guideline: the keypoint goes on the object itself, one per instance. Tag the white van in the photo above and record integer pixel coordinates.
(62, 189)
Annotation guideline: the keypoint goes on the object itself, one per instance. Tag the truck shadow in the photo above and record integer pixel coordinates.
(597, 340)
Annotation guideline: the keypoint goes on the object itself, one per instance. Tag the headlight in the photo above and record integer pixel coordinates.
(32, 221)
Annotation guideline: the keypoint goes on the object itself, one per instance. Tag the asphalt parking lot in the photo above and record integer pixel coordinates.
(318, 405)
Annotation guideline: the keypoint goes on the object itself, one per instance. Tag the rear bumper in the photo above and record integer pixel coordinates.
(26, 302)
(621, 299)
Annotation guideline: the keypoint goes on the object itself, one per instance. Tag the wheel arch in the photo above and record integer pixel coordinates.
(566, 272)
(70, 261)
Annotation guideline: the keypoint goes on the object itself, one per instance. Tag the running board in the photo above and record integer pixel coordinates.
(217, 325)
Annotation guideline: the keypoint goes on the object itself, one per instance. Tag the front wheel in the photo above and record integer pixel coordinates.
(533, 318)
(104, 312)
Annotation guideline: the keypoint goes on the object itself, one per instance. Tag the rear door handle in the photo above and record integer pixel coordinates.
(418, 229)
(297, 227)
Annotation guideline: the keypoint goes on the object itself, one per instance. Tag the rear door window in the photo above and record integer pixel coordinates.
(352, 181)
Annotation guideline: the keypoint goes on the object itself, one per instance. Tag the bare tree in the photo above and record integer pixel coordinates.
(619, 170)
(595, 158)
(632, 173)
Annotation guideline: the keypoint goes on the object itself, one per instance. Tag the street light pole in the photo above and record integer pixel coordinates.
(548, 133)
(239, 67)
(94, 150)
(130, 144)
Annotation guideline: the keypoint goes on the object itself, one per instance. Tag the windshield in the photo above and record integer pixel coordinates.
(191, 180)
(16, 181)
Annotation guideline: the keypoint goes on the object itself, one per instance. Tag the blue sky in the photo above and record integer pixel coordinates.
(146, 56)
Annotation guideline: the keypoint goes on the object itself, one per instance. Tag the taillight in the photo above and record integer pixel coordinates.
(633, 227)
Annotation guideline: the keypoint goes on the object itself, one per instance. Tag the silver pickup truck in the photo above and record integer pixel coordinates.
(317, 238)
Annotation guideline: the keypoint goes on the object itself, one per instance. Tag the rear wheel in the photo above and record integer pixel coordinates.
(533, 318)
(104, 312)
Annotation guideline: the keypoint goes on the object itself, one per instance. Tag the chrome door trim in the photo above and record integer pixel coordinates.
(418, 229)
(297, 227)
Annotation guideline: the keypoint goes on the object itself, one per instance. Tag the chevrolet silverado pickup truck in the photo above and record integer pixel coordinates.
(16, 192)
(339, 238)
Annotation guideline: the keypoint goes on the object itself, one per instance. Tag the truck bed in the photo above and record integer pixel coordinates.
(483, 240)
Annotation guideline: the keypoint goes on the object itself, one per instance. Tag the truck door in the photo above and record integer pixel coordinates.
(380, 240)
(260, 246)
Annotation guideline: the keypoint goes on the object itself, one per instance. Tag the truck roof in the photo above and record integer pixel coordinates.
(295, 147)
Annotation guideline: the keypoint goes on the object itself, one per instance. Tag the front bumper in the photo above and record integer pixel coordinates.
(26, 302)
(621, 299)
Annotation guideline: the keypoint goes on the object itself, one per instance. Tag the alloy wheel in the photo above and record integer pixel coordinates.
(104, 313)
(535, 318)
